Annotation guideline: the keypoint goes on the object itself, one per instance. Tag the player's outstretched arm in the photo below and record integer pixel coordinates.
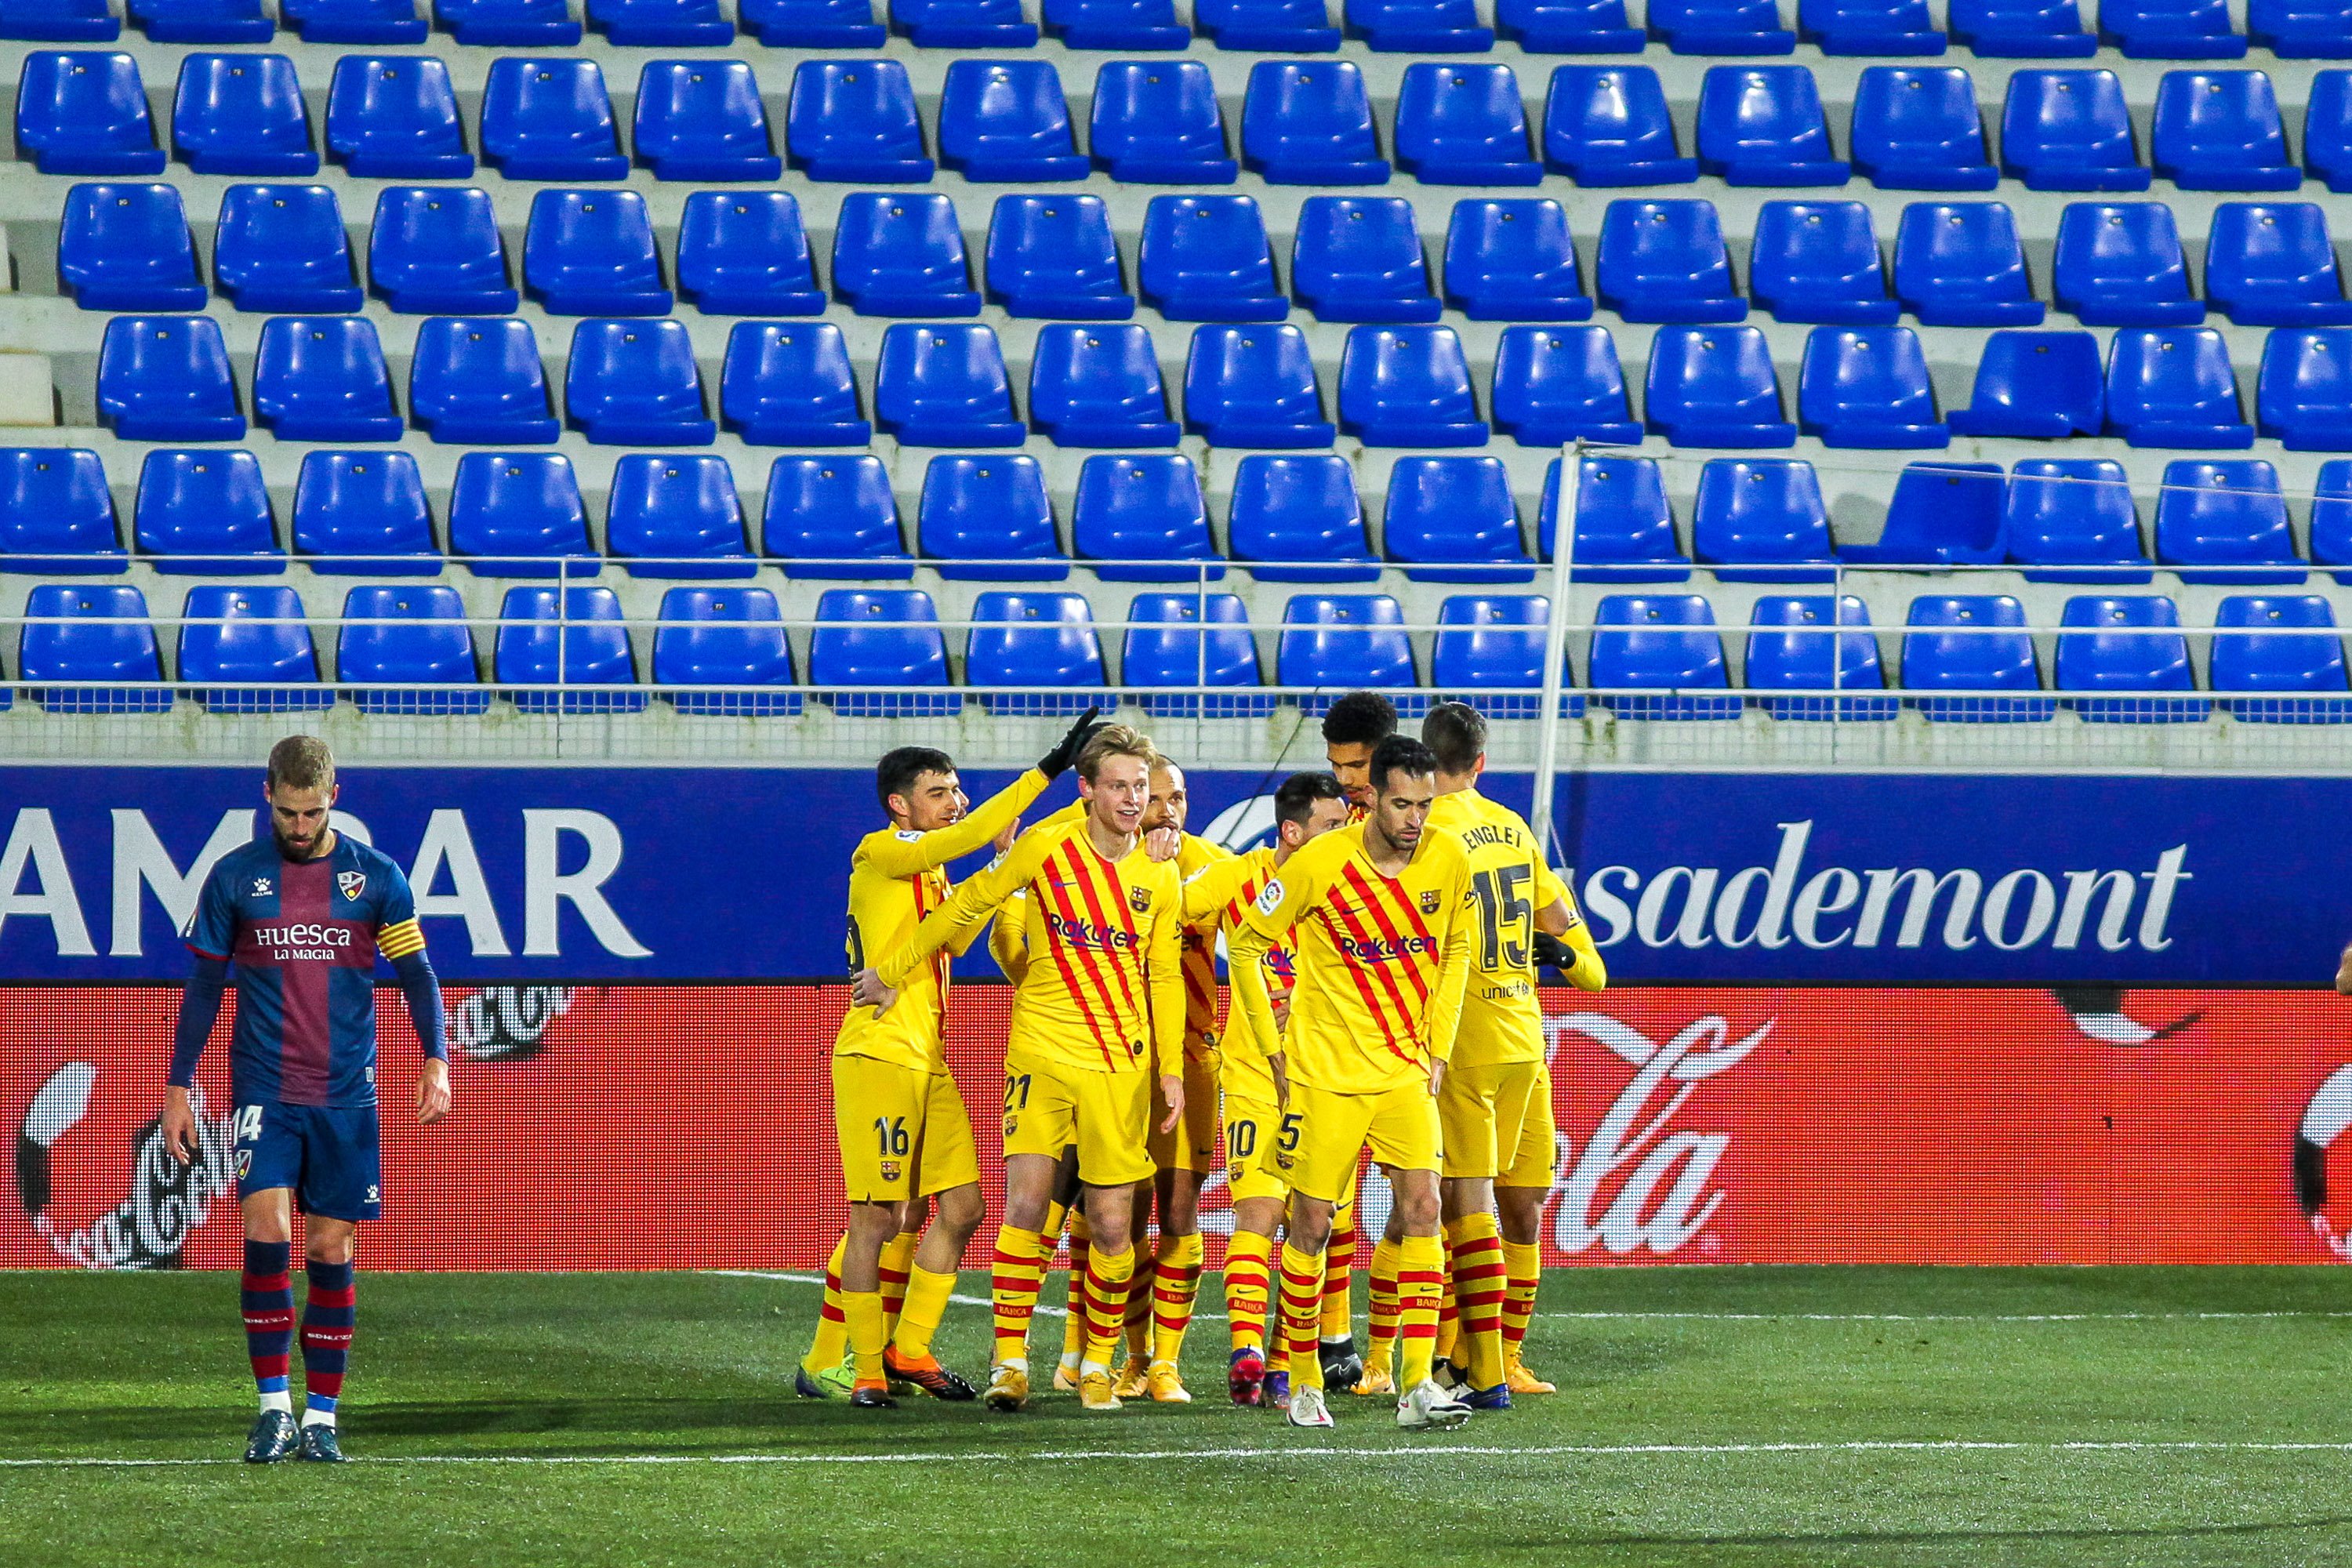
(979, 897)
(1575, 956)
(199, 1005)
(1287, 895)
(906, 853)
(1208, 891)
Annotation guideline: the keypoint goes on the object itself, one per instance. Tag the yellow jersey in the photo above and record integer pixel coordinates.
(1215, 898)
(894, 881)
(1102, 990)
(1381, 960)
(1198, 948)
(1502, 1017)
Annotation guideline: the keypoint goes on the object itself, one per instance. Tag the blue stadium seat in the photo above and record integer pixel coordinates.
(284, 248)
(1553, 384)
(2273, 264)
(1941, 514)
(55, 498)
(1156, 122)
(723, 637)
(2130, 648)
(1117, 24)
(883, 653)
(519, 514)
(663, 23)
(549, 118)
(60, 21)
(1648, 642)
(2331, 519)
(1359, 259)
(394, 116)
(2069, 131)
(1762, 520)
(1795, 644)
(944, 386)
(1513, 261)
(744, 253)
(434, 250)
(1961, 263)
(2170, 29)
(1055, 257)
(855, 120)
(2225, 523)
(1817, 262)
(1408, 386)
(1463, 125)
(508, 23)
(1006, 121)
(702, 119)
(566, 638)
(590, 253)
(2172, 387)
(2221, 131)
(1869, 27)
(166, 378)
(1665, 261)
(902, 255)
(834, 517)
(1452, 519)
(1720, 27)
(322, 378)
(2022, 30)
(962, 24)
(1336, 643)
(2249, 656)
(986, 520)
(1302, 515)
(789, 385)
(1868, 386)
(1625, 528)
(633, 383)
(201, 21)
(2304, 398)
(84, 113)
(364, 514)
(206, 514)
(1206, 258)
(2046, 386)
(2327, 129)
(1489, 653)
(2119, 264)
(813, 24)
(54, 647)
(475, 380)
(1972, 642)
(1099, 386)
(126, 247)
(1917, 129)
(1033, 639)
(257, 637)
(1310, 123)
(1191, 640)
(1609, 125)
(425, 643)
(1267, 27)
(1568, 26)
(355, 21)
(2072, 512)
(1142, 511)
(2300, 29)
(1254, 386)
(1764, 125)
(675, 517)
(242, 114)
(1715, 386)
(1419, 26)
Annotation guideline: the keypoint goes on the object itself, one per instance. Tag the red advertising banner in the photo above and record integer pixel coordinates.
(673, 1127)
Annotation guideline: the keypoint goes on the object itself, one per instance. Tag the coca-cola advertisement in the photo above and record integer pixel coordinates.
(676, 1127)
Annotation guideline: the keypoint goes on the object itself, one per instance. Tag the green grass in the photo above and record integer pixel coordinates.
(612, 1370)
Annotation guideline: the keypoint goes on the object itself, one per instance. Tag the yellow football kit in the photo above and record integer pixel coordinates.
(1214, 899)
(1192, 1144)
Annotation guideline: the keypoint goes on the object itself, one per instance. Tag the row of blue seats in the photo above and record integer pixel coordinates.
(2126, 658)
(1302, 123)
(2150, 29)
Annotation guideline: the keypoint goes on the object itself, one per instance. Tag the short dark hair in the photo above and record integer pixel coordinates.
(1456, 734)
(1360, 718)
(1400, 754)
(1294, 800)
(897, 771)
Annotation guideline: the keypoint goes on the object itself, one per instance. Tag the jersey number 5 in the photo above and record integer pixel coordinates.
(1505, 918)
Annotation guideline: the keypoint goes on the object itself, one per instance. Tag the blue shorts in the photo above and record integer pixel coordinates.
(331, 1157)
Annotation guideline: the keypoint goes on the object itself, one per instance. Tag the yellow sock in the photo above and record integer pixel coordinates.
(1523, 1266)
(897, 1257)
(1302, 1315)
(1421, 1266)
(832, 1341)
(1380, 1340)
(1449, 1321)
(1057, 1216)
(926, 1303)
(1139, 1305)
(863, 1309)
(1074, 1324)
(1175, 1287)
(1339, 1275)
(1020, 1269)
(1247, 1285)
(1477, 1275)
(1109, 1274)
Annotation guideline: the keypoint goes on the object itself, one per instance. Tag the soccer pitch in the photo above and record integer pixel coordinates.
(1743, 1416)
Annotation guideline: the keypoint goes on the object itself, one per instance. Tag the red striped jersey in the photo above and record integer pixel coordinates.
(1214, 899)
(1199, 946)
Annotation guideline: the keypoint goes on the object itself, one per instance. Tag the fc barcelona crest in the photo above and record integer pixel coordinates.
(352, 883)
(889, 1170)
(1429, 903)
(1139, 899)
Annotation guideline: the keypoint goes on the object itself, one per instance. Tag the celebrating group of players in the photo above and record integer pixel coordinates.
(1382, 954)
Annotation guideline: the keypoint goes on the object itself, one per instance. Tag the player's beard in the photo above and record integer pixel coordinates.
(288, 850)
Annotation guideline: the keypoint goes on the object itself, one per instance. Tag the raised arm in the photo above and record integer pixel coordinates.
(971, 903)
(907, 853)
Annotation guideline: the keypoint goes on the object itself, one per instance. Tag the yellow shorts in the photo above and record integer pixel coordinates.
(1485, 1112)
(1048, 1108)
(1192, 1144)
(1325, 1133)
(1537, 1160)
(904, 1131)
(1252, 1128)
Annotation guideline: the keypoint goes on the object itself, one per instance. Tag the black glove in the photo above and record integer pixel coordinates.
(1551, 952)
(1057, 762)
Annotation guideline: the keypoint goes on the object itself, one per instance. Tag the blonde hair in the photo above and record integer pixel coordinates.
(1116, 741)
(301, 762)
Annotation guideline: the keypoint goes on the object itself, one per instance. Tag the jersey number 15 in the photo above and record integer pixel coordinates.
(1505, 918)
